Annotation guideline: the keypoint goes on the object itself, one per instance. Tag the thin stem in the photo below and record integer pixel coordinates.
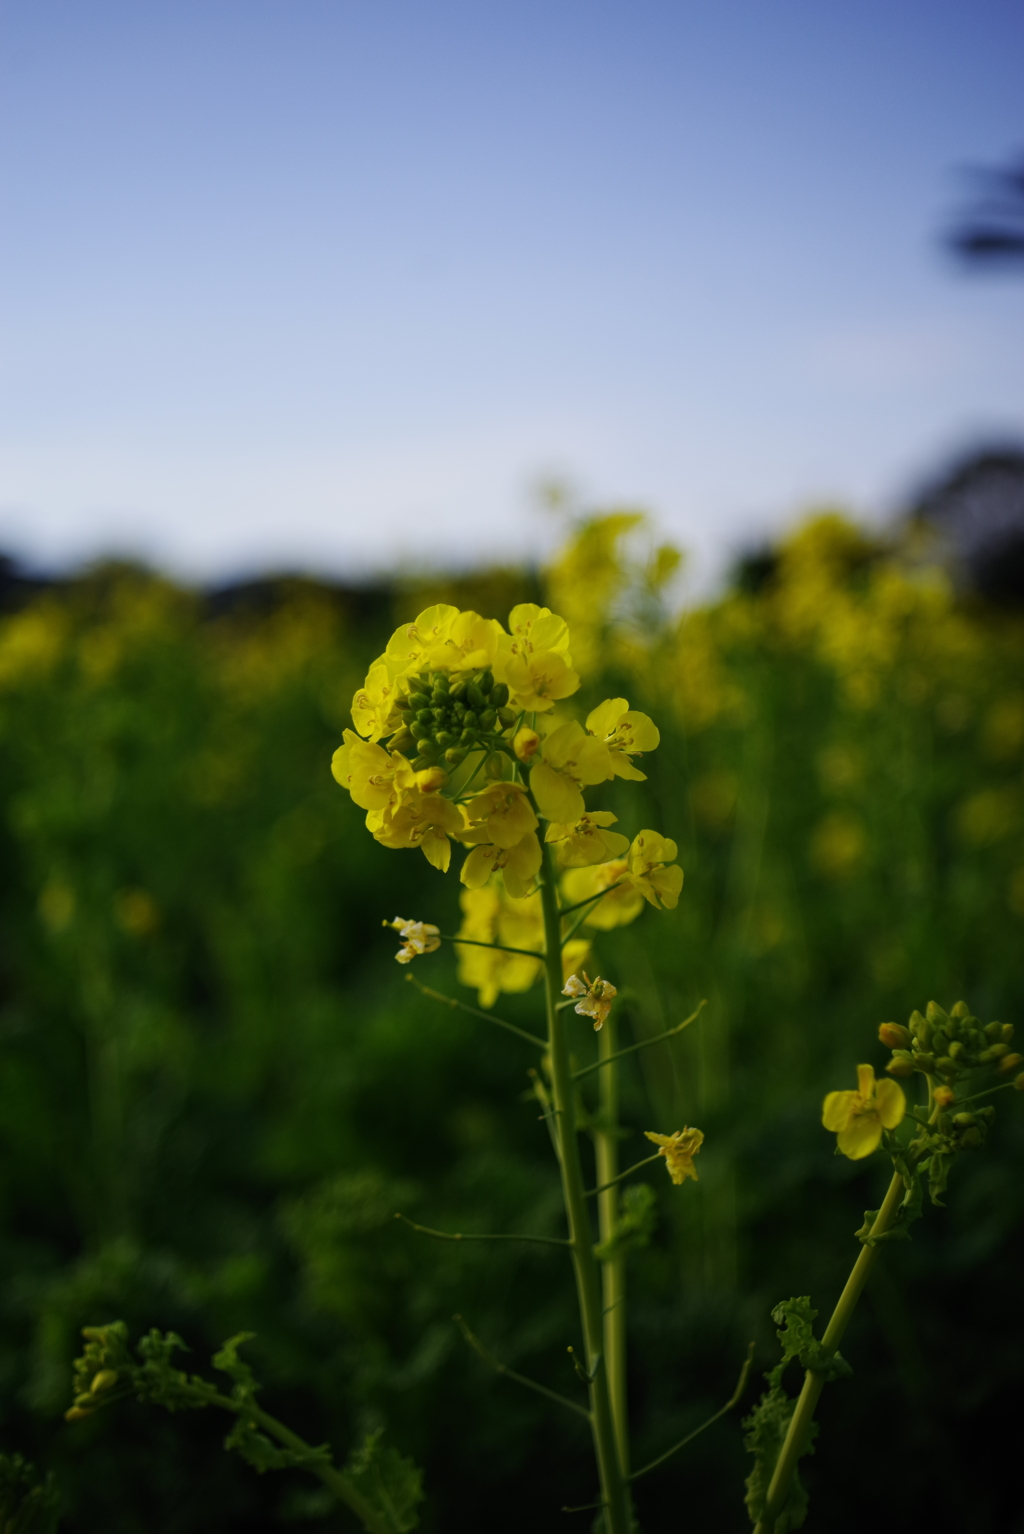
(472, 942)
(463, 1006)
(613, 1268)
(631, 1049)
(733, 1400)
(579, 904)
(623, 1175)
(521, 1379)
(444, 1235)
(613, 1487)
(336, 1480)
(814, 1383)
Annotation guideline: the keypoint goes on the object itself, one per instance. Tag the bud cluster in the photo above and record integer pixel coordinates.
(948, 1044)
(445, 717)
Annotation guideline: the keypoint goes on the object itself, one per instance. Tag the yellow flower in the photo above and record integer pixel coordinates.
(491, 915)
(375, 705)
(442, 638)
(595, 997)
(658, 884)
(621, 905)
(501, 814)
(417, 937)
(678, 1150)
(587, 841)
(572, 758)
(413, 818)
(533, 659)
(366, 770)
(525, 743)
(626, 732)
(859, 1117)
(518, 865)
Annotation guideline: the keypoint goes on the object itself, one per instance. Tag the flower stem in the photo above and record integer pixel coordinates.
(814, 1383)
(613, 1269)
(613, 1487)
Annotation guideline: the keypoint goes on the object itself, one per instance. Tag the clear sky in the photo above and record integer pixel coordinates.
(332, 283)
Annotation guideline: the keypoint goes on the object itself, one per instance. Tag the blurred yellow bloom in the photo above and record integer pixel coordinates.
(621, 905)
(519, 865)
(417, 937)
(626, 732)
(596, 997)
(501, 814)
(859, 1117)
(571, 759)
(586, 841)
(678, 1150)
(647, 871)
(492, 915)
(525, 743)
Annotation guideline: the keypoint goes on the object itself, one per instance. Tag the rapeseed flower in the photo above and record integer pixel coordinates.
(501, 814)
(518, 865)
(418, 937)
(620, 905)
(859, 1117)
(595, 997)
(588, 840)
(571, 760)
(678, 1150)
(647, 869)
(626, 732)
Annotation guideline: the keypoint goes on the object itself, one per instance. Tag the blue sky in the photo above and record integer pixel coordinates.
(333, 283)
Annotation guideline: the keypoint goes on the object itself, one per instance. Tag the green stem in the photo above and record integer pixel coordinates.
(336, 1480)
(814, 1383)
(445, 1235)
(613, 1487)
(613, 1269)
(623, 1175)
(487, 1017)
(567, 910)
(631, 1049)
(472, 942)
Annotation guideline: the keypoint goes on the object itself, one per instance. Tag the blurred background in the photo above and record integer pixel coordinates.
(314, 315)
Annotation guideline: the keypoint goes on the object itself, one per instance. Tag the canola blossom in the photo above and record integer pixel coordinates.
(595, 997)
(454, 745)
(418, 937)
(678, 1150)
(859, 1117)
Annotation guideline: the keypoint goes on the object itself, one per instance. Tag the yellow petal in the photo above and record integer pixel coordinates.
(861, 1136)
(557, 796)
(838, 1110)
(892, 1104)
(866, 1081)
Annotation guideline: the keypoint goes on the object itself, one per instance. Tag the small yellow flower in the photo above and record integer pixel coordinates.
(678, 1150)
(943, 1097)
(443, 638)
(572, 759)
(587, 841)
(366, 770)
(413, 818)
(518, 865)
(859, 1117)
(626, 732)
(596, 997)
(375, 705)
(533, 659)
(501, 814)
(621, 905)
(417, 937)
(647, 871)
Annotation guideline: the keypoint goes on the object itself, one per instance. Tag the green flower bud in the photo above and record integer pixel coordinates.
(964, 1120)
(994, 1032)
(474, 697)
(1007, 1034)
(495, 766)
(445, 739)
(506, 717)
(469, 719)
(987, 1114)
(918, 1026)
(925, 1063)
(106, 1379)
(427, 748)
(972, 1139)
(455, 754)
(901, 1064)
(956, 1049)
(499, 697)
(994, 1052)
(935, 1014)
(467, 737)
(1019, 1082)
(424, 720)
(945, 1066)
(895, 1036)
(418, 700)
(404, 742)
(486, 681)
(961, 1009)
(487, 719)
(1009, 1063)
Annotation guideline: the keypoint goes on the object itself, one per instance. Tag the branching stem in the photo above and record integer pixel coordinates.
(463, 1006)
(631, 1049)
(446, 1235)
(521, 1379)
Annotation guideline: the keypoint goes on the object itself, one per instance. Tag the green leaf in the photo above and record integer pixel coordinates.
(638, 1214)
(393, 1486)
(228, 1362)
(765, 1433)
(263, 1454)
(28, 1504)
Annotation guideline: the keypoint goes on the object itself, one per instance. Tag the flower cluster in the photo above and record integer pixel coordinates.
(456, 740)
(948, 1044)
